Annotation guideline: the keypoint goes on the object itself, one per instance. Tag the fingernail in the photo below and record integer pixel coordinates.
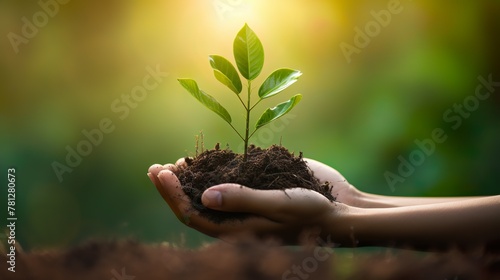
(212, 198)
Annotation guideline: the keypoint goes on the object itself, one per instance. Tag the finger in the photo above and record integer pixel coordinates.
(170, 188)
(153, 173)
(172, 167)
(181, 162)
(278, 205)
(324, 172)
(172, 193)
(155, 169)
(231, 229)
(251, 226)
(153, 176)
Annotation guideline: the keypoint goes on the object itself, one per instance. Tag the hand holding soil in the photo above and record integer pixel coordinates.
(355, 219)
(275, 213)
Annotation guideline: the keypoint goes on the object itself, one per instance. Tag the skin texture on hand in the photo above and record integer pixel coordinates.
(292, 217)
(356, 219)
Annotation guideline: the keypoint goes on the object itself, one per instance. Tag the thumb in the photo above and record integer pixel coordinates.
(238, 198)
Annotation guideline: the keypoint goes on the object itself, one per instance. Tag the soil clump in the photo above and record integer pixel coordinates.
(274, 168)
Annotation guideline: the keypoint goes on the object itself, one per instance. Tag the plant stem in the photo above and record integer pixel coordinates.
(247, 125)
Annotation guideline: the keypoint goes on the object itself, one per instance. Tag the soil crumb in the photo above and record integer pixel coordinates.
(272, 168)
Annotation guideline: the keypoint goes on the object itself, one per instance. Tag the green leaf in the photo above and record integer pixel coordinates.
(205, 99)
(248, 53)
(281, 109)
(225, 73)
(278, 81)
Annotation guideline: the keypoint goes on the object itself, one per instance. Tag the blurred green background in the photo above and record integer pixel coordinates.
(360, 116)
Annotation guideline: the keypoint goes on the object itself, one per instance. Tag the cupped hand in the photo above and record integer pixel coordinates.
(292, 217)
(342, 190)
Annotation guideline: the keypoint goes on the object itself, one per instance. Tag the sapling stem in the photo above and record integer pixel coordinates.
(247, 121)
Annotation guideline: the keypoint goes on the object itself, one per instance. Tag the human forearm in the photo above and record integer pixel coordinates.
(346, 193)
(291, 214)
(368, 200)
(433, 226)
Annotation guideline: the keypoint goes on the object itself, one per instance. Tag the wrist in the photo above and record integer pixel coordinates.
(357, 227)
(340, 225)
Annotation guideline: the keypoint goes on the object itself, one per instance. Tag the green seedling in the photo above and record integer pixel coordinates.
(249, 56)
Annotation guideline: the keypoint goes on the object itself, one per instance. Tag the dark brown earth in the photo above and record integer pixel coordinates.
(131, 260)
(272, 168)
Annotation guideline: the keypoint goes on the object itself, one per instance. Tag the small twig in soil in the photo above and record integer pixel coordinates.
(270, 184)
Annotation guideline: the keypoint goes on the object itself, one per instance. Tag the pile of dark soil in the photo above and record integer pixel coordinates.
(274, 168)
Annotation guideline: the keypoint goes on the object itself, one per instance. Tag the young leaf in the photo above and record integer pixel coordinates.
(225, 73)
(205, 98)
(248, 53)
(281, 109)
(278, 81)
